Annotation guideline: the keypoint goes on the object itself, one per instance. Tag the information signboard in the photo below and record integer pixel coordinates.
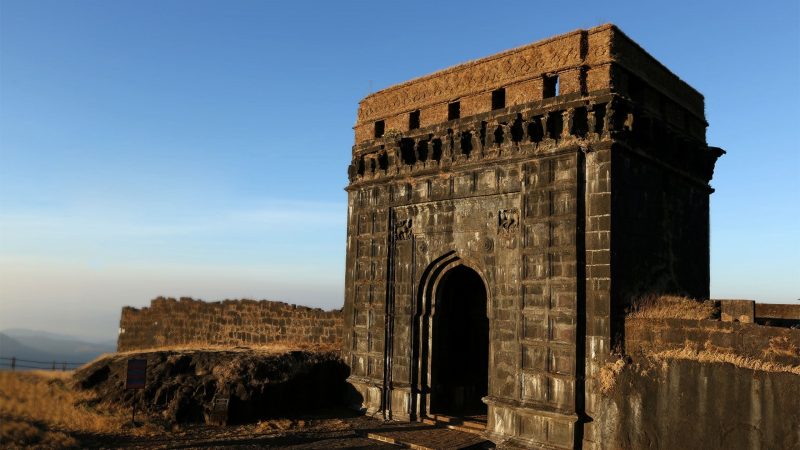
(137, 373)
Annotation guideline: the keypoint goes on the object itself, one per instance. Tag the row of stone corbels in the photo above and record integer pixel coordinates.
(613, 116)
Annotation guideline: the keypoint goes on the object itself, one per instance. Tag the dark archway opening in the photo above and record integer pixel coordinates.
(460, 357)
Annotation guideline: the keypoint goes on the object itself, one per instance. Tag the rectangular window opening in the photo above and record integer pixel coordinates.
(580, 122)
(466, 143)
(599, 118)
(550, 86)
(380, 126)
(499, 98)
(407, 151)
(555, 125)
(453, 110)
(535, 130)
(413, 120)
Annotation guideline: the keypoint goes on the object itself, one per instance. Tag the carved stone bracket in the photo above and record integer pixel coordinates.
(402, 230)
(507, 220)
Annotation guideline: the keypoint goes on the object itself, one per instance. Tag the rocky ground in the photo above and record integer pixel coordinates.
(277, 399)
(330, 429)
(183, 384)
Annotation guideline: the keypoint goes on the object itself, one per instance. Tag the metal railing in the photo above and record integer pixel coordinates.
(15, 363)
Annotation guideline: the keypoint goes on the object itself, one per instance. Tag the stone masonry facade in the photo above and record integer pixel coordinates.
(568, 177)
(187, 322)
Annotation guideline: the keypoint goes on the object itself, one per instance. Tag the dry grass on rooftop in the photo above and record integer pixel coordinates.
(711, 354)
(781, 346)
(673, 307)
(608, 375)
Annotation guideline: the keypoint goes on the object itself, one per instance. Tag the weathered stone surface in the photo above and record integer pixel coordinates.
(701, 384)
(568, 177)
(772, 344)
(690, 404)
(187, 322)
(738, 310)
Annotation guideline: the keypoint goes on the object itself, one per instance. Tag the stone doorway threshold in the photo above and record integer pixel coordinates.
(437, 433)
(467, 424)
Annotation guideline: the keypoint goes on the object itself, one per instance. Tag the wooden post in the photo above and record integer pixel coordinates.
(13, 363)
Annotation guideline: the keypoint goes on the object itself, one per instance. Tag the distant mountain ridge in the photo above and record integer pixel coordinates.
(20, 333)
(48, 347)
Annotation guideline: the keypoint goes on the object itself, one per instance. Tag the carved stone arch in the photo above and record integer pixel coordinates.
(425, 310)
(435, 271)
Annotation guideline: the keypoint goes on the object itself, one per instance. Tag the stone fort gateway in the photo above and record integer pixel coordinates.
(503, 212)
(504, 215)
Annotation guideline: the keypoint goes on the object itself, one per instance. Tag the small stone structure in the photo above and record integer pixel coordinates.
(503, 213)
(186, 322)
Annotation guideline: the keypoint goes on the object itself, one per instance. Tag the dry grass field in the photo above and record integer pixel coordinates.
(41, 409)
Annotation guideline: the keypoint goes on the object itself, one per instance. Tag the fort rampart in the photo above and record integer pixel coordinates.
(701, 384)
(187, 322)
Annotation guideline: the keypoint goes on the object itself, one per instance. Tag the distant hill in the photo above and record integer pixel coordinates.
(47, 347)
(22, 333)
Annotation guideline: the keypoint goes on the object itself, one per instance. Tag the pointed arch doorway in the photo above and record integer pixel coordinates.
(459, 363)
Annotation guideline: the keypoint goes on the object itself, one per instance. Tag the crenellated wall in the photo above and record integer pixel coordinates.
(188, 322)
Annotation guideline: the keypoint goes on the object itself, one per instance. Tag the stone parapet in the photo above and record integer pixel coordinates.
(582, 61)
(745, 339)
(187, 322)
(737, 310)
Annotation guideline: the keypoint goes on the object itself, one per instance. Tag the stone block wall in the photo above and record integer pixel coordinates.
(660, 223)
(584, 60)
(773, 344)
(188, 322)
(777, 315)
(770, 314)
(700, 384)
(737, 310)
(686, 404)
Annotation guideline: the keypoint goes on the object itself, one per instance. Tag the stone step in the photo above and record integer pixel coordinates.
(431, 438)
(467, 425)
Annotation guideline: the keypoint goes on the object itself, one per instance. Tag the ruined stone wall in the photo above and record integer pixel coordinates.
(770, 314)
(770, 344)
(187, 322)
(701, 384)
(687, 404)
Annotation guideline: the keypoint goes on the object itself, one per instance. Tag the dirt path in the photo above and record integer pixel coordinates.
(314, 433)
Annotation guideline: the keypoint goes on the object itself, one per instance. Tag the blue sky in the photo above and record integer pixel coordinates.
(200, 148)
